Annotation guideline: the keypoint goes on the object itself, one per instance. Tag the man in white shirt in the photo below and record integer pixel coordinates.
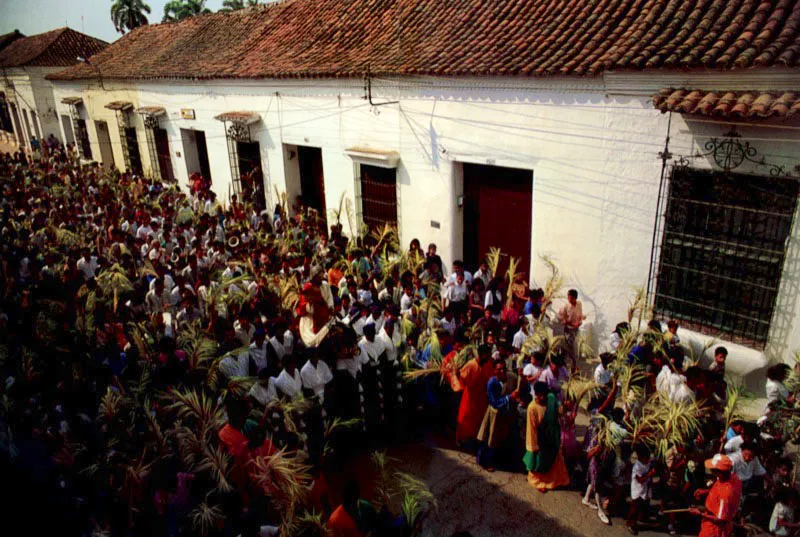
(389, 293)
(746, 465)
(458, 270)
(158, 299)
(289, 384)
(483, 274)
(87, 264)
(316, 375)
(145, 232)
(520, 337)
(263, 390)
(407, 300)
(244, 330)
(369, 345)
(235, 366)
(390, 337)
(258, 350)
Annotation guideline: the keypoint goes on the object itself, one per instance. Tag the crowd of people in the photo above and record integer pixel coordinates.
(174, 365)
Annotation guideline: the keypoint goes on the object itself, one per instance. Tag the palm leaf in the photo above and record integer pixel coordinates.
(493, 260)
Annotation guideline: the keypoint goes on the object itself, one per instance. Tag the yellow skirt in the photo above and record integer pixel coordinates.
(556, 476)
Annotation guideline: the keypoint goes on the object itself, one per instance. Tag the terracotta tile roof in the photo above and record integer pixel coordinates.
(728, 104)
(57, 48)
(336, 38)
(7, 39)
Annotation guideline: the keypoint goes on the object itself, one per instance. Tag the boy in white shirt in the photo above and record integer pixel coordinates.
(641, 489)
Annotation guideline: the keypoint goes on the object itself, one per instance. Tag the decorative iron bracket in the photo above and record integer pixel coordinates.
(239, 131)
(730, 152)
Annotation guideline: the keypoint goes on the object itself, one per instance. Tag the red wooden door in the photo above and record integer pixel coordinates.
(497, 213)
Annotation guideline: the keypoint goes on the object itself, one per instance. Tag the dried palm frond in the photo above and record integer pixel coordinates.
(555, 282)
(339, 211)
(66, 238)
(677, 422)
(157, 435)
(283, 477)
(733, 403)
(585, 349)
(434, 362)
(189, 404)
(238, 386)
(185, 216)
(609, 434)
(386, 238)
(198, 346)
(630, 377)
(493, 260)
(383, 483)
(206, 518)
(511, 274)
(114, 281)
(305, 525)
(218, 464)
(638, 307)
(579, 387)
(191, 446)
(333, 426)
(288, 290)
(543, 339)
(111, 406)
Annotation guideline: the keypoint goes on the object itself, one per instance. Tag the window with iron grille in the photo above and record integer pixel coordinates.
(723, 251)
(377, 188)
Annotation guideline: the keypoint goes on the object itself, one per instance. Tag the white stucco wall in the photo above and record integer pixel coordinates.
(33, 93)
(593, 146)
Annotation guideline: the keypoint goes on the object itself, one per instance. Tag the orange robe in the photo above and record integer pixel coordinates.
(475, 399)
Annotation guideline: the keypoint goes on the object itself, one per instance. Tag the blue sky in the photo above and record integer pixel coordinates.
(91, 17)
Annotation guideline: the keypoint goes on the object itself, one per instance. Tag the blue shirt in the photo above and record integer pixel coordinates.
(494, 389)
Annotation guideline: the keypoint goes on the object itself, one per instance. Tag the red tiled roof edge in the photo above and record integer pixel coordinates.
(343, 38)
(729, 104)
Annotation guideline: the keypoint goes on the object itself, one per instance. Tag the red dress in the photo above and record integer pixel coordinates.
(475, 399)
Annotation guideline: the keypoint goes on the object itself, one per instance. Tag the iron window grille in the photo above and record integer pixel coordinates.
(376, 196)
(723, 250)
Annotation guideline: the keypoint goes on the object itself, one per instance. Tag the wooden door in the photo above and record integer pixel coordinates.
(104, 141)
(162, 151)
(497, 213)
(312, 180)
(133, 150)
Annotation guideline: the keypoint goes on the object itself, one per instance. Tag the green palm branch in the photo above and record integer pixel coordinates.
(114, 281)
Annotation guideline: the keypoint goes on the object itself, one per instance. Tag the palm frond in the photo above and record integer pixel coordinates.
(206, 518)
(218, 464)
(493, 260)
(114, 282)
(511, 274)
(283, 477)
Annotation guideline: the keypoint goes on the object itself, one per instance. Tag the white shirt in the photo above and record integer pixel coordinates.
(390, 343)
(457, 292)
(288, 341)
(776, 391)
(370, 319)
(352, 365)
(453, 278)
(259, 354)
(663, 380)
(785, 512)
(733, 445)
(88, 268)
(315, 378)
(358, 325)
(244, 336)
(406, 303)
(238, 366)
(519, 339)
(746, 470)
(373, 349)
(601, 375)
(485, 277)
(264, 394)
(155, 303)
(280, 350)
(145, 232)
(289, 385)
(450, 325)
(640, 490)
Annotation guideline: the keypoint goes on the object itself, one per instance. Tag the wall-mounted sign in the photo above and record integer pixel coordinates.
(187, 113)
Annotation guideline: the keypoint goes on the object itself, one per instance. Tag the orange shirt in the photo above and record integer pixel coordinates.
(722, 502)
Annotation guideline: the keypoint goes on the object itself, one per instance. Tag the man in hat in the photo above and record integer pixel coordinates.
(722, 500)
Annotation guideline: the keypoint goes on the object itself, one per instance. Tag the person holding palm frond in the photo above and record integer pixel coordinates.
(474, 377)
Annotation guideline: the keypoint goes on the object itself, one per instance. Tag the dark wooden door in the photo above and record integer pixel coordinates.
(202, 154)
(251, 174)
(497, 213)
(162, 149)
(312, 179)
(133, 150)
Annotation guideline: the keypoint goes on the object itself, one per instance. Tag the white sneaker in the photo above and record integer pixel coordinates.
(603, 517)
(589, 503)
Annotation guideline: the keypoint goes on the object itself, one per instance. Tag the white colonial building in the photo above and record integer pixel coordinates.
(633, 148)
(27, 95)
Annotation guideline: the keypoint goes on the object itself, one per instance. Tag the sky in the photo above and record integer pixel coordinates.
(91, 17)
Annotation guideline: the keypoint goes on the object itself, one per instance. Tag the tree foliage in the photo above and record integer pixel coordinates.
(128, 14)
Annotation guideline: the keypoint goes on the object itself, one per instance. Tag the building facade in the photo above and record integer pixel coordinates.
(627, 172)
(28, 95)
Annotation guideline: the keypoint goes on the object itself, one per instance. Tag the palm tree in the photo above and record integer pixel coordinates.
(235, 5)
(176, 10)
(128, 14)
